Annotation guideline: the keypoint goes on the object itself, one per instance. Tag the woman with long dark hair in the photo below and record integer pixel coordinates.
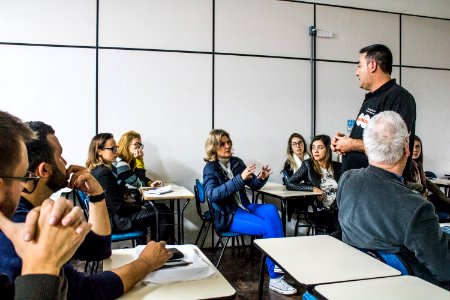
(422, 184)
(320, 174)
(124, 216)
(296, 153)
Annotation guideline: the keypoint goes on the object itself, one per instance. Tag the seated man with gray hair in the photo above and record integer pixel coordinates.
(378, 212)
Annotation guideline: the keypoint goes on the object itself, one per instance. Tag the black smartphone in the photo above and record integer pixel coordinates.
(176, 263)
(177, 254)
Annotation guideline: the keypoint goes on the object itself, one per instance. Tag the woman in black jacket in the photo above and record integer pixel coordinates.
(320, 174)
(124, 215)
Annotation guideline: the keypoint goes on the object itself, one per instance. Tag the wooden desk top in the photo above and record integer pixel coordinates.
(210, 288)
(179, 192)
(399, 287)
(280, 191)
(313, 260)
(441, 181)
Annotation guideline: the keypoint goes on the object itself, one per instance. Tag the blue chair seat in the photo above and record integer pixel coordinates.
(230, 234)
(394, 261)
(391, 259)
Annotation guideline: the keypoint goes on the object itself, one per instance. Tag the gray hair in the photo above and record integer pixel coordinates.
(384, 138)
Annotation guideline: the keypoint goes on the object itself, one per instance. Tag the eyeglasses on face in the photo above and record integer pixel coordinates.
(138, 145)
(113, 149)
(29, 176)
(294, 144)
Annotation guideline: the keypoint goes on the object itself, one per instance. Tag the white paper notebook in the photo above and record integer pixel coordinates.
(199, 269)
(158, 191)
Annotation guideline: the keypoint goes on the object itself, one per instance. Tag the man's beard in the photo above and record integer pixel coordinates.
(57, 180)
(8, 205)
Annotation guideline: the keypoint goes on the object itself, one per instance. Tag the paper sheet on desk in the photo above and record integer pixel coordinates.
(199, 269)
(158, 191)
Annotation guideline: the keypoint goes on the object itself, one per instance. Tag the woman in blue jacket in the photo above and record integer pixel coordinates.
(225, 177)
(320, 174)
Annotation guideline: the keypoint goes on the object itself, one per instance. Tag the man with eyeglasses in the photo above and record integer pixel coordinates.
(374, 74)
(46, 161)
(378, 212)
(61, 227)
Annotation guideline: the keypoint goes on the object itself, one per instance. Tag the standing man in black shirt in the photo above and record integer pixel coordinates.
(374, 74)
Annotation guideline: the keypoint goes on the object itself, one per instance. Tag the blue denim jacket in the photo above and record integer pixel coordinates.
(220, 190)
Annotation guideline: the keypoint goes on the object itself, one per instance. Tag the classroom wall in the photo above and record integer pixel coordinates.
(174, 69)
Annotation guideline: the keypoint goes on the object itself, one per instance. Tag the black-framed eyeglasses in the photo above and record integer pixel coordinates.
(294, 144)
(29, 176)
(138, 145)
(113, 149)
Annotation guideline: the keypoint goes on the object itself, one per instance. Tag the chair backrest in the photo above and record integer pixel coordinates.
(430, 174)
(199, 193)
(285, 176)
(83, 200)
(199, 190)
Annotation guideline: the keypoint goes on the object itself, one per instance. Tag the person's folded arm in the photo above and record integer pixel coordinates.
(299, 181)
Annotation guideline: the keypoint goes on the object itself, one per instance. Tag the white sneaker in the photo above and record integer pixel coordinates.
(280, 286)
(277, 270)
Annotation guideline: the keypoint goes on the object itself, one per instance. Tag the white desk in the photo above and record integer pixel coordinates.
(314, 260)
(178, 193)
(390, 288)
(280, 192)
(210, 288)
(441, 182)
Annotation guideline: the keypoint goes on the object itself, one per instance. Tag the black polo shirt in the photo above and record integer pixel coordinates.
(390, 96)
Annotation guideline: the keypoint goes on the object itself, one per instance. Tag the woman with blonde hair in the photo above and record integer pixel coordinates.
(130, 161)
(130, 171)
(296, 153)
(225, 177)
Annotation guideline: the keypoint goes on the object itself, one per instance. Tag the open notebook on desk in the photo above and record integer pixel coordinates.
(157, 191)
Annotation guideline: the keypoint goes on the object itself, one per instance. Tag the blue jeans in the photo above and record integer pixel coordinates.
(263, 219)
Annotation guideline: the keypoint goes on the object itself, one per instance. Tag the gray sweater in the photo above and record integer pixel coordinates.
(378, 212)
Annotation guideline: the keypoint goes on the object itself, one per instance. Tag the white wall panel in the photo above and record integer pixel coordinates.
(263, 27)
(425, 42)
(68, 22)
(353, 30)
(167, 98)
(430, 89)
(339, 96)
(160, 24)
(434, 8)
(260, 102)
(53, 85)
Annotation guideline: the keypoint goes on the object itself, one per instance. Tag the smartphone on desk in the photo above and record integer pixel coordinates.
(176, 263)
(176, 254)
